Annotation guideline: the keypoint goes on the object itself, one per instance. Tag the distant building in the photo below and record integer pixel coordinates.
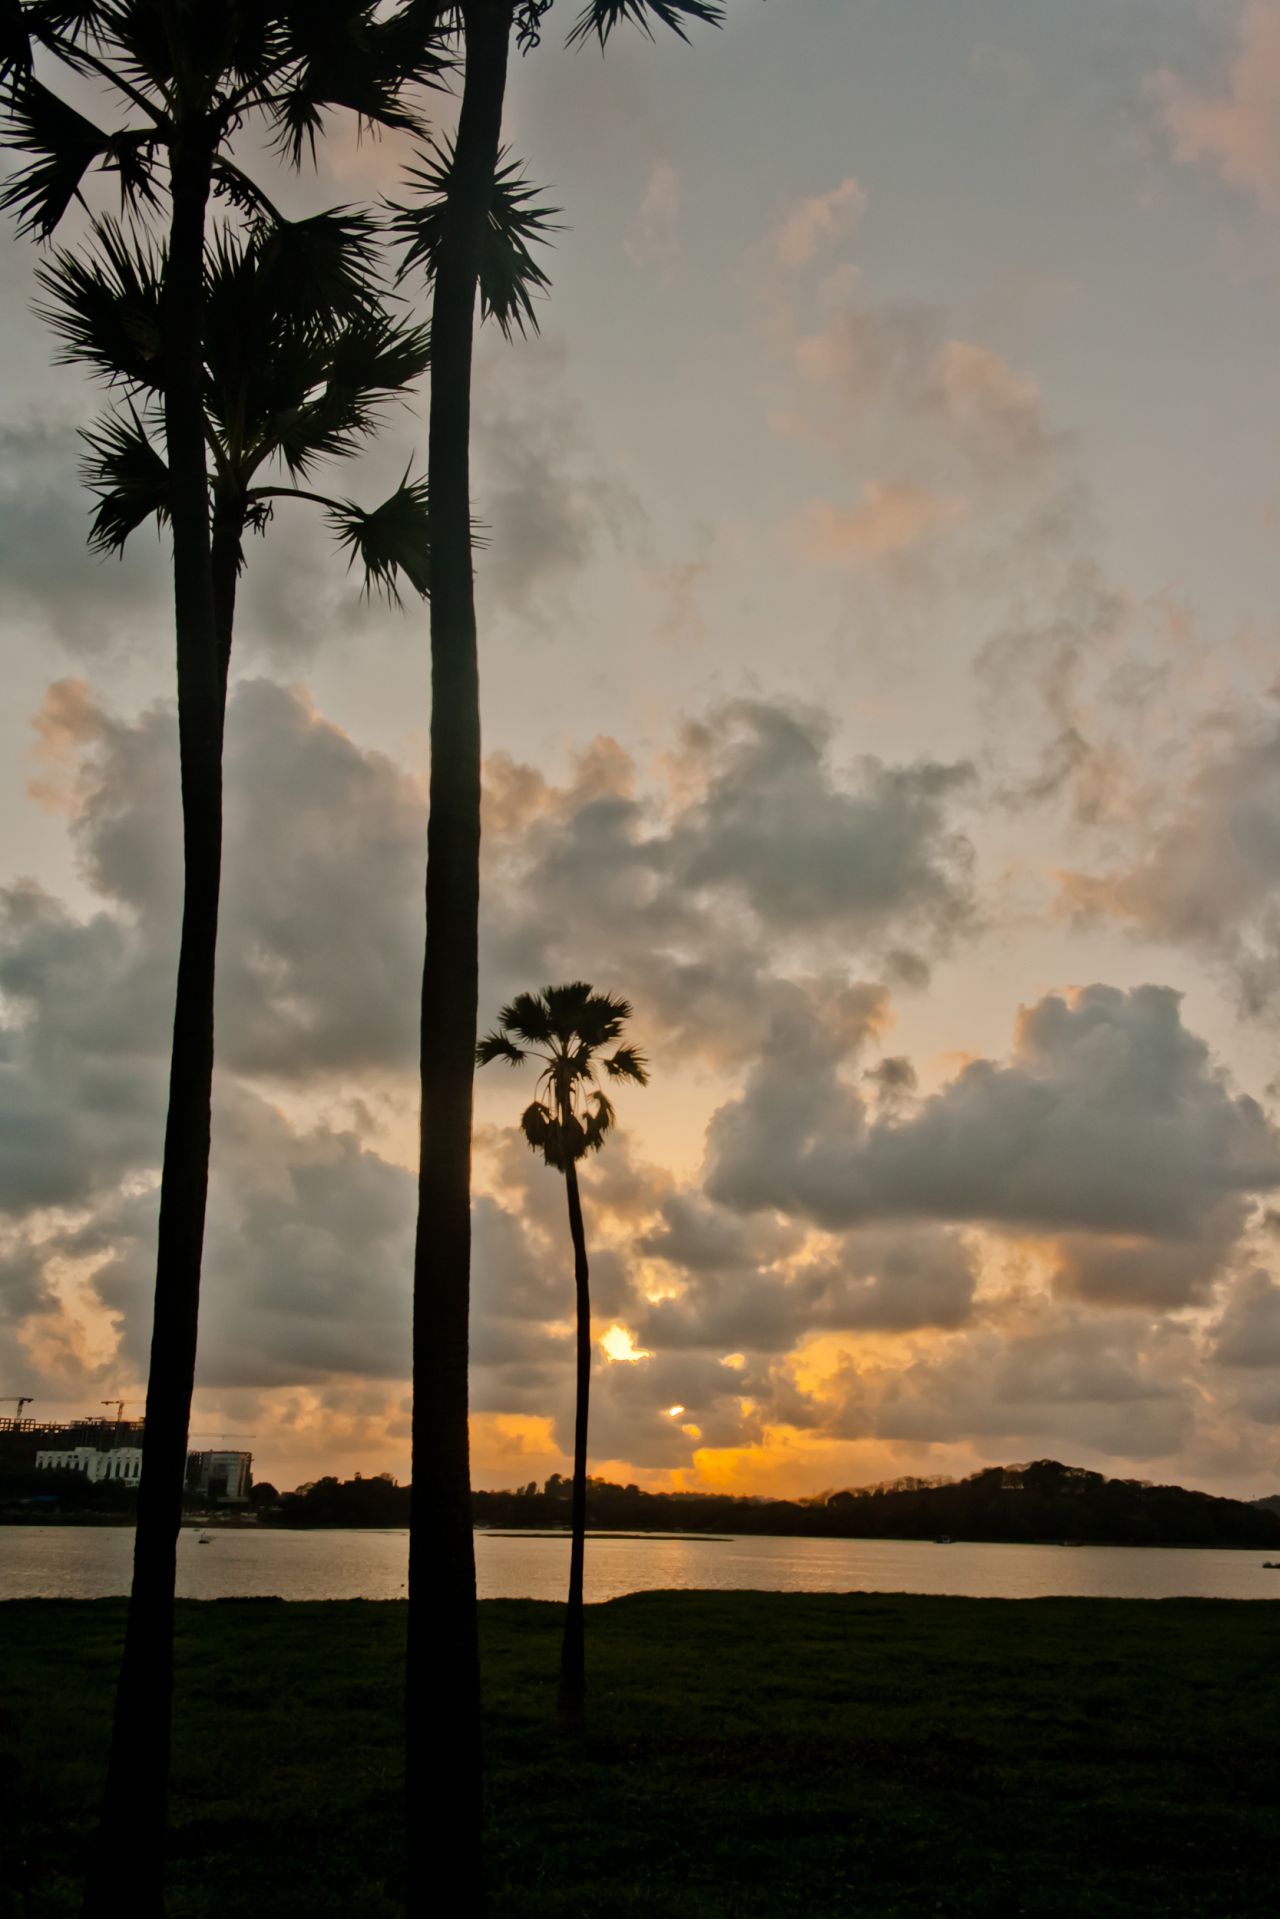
(22, 1439)
(220, 1475)
(123, 1464)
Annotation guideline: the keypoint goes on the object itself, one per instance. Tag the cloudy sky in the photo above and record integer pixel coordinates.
(881, 665)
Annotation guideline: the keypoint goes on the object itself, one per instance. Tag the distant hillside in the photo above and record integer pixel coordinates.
(1270, 1502)
(1044, 1502)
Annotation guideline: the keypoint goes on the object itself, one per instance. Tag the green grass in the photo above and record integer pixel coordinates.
(748, 1754)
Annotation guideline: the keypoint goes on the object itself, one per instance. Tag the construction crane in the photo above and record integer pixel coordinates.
(119, 1405)
(13, 1400)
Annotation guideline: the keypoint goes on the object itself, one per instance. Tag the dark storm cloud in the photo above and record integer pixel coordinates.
(1110, 1120)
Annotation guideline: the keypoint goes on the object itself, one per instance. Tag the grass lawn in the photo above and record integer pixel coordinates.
(748, 1754)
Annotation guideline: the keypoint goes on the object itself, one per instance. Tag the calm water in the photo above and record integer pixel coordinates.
(82, 1562)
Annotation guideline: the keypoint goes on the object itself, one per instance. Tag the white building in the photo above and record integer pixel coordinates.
(122, 1463)
(220, 1475)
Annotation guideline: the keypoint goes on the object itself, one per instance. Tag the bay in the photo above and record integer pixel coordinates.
(83, 1562)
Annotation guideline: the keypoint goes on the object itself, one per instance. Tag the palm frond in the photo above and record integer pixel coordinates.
(596, 1122)
(15, 42)
(330, 390)
(104, 304)
(389, 540)
(128, 475)
(323, 269)
(541, 1131)
(509, 277)
(528, 1017)
(63, 146)
(599, 17)
(498, 1046)
(628, 1063)
(566, 1025)
(567, 1006)
(340, 55)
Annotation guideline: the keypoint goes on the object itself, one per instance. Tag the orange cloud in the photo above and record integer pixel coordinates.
(1236, 130)
(501, 1441)
(888, 521)
(66, 725)
(813, 222)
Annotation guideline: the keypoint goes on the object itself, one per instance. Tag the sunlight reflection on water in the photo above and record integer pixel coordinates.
(81, 1562)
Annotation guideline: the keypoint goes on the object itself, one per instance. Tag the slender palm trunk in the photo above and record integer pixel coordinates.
(228, 532)
(442, 1687)
(573, 1674)
(128, 1861)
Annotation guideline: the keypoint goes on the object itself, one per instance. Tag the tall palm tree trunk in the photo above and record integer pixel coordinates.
(573, 1677)
(130, 1850)
(228, 529)
(442, 1687)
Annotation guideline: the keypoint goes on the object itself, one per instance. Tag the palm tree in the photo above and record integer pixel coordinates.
(470, 235)
(184, 75)
(301, 357)
(565, 1027)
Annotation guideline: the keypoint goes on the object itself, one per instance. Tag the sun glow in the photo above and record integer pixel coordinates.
(619, 1344)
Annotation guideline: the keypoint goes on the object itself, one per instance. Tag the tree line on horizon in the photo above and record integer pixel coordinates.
(242, 348)
(1043, 1502)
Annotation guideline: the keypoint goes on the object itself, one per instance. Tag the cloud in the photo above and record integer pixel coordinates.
(887, 522)
(777, 825)
(888, 1280)
(884, 383)
(1110, 1126)
(51, 585)
(1055, 1380)
(752, 851)
(1203, 861)
(320, 934)
(1235, 130)
(546, 501)
(817, 221)
(1247, 1332)
(732, 885)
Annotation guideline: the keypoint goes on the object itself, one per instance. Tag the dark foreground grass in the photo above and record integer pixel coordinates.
(748, 1754)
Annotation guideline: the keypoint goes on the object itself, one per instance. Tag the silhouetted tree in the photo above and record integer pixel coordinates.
(470, 234)
(184, 75)
(300, 358)
(565, 1027)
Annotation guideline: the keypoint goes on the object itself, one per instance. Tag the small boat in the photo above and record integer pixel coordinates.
(205, 1539)
(944, 1539)
(1271, 1565)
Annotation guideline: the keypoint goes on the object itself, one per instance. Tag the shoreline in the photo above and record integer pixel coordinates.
(232, 1524)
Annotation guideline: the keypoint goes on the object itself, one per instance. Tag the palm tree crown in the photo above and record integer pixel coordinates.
(565, 1027)
(301, 357)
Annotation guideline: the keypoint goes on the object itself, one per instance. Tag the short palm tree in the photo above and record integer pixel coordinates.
(566, 1027)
